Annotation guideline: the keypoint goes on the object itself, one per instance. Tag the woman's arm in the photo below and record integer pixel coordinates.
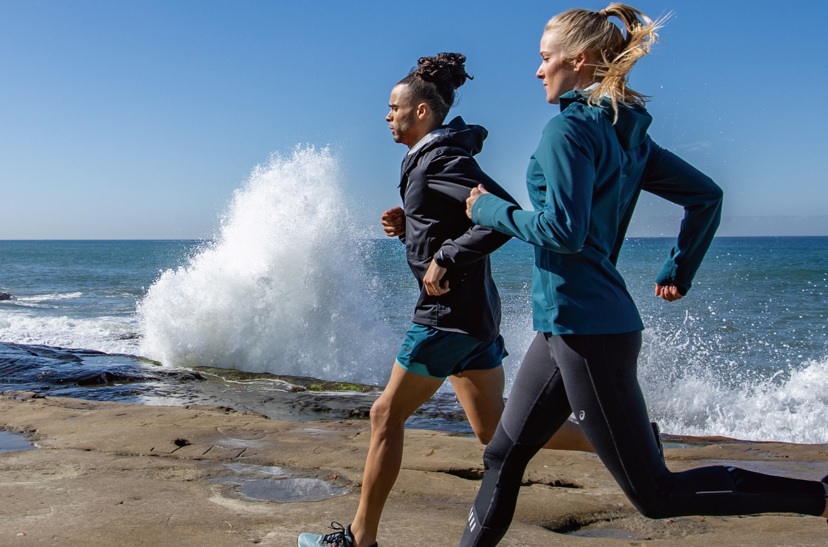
(675, 180)
(561, 176)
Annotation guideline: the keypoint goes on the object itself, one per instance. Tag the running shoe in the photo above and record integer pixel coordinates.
(341, 537)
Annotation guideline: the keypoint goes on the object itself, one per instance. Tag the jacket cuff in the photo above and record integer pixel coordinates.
(484, 208)
(668, 276)
(441, 259)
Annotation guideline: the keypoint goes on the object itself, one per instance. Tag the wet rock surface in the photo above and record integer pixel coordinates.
(98, 376)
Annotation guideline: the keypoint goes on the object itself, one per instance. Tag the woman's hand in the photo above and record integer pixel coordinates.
(670, 293)
(473, 195)
(432, 280)
(393, 222)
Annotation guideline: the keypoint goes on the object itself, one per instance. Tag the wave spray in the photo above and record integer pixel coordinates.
(281, 288)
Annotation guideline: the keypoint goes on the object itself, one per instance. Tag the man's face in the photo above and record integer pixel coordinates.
(402, 116)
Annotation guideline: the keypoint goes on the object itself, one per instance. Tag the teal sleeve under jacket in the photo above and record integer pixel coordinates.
(584, 180)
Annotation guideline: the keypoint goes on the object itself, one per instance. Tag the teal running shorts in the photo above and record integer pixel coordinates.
(439, 354)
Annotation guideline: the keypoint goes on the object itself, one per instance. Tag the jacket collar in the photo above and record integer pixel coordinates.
(632, 123)
(426, 139)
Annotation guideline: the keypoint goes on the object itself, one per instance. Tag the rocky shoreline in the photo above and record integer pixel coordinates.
(106, 473)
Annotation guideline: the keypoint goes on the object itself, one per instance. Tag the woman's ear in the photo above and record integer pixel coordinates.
(580, 62)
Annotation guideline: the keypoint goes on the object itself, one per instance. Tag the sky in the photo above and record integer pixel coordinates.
(138, 120)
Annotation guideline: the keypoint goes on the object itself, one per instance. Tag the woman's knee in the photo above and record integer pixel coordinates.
(652, 504)
(506, 457)
(652, 508)
(496, 451)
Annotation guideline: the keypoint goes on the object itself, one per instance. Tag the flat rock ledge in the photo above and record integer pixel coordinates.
(106, 474)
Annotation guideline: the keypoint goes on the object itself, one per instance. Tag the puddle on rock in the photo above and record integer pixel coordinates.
(606, 533)
(637, 528)
(263, 483)
(287, 490)
(14, 442)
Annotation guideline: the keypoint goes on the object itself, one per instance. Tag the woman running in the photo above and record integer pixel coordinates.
(584, 179)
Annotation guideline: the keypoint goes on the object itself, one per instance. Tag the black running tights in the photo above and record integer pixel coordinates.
(595, 377)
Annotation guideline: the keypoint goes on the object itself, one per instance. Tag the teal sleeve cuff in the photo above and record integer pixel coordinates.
(669, 276)
(484, 209)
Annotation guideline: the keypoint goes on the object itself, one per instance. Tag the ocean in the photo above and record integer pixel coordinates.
(290, 286)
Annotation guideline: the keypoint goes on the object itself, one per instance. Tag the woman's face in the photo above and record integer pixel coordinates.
(559, 74)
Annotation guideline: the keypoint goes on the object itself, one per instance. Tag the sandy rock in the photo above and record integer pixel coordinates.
(122, 474)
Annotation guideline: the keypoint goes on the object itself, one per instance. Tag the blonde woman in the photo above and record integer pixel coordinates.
(584, 179)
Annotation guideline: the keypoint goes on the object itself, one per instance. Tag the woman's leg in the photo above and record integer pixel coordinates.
(537, 407)
(404, 394)
(600, 377)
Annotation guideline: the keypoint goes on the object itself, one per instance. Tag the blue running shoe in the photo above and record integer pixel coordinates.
(340, 538)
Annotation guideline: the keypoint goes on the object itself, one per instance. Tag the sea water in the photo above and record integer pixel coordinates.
(289, 285)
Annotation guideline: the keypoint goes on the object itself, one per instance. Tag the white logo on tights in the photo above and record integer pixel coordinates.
(581, 414)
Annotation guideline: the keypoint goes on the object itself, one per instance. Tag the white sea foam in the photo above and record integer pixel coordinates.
(42, 300)
(281, 289)
(689, 394)
(108, 334)
(50, 296)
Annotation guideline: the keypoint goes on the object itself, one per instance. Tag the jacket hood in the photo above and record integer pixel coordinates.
(631, 126)
(458, 133)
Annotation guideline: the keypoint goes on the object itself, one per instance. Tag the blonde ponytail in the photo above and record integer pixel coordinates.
(614, 53)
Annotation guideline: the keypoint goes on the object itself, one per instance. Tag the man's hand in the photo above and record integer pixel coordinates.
(432, 280)
(473, 195)
(393, 222)
(670, 293)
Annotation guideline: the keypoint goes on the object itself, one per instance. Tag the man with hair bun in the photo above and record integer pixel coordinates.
(456, 325)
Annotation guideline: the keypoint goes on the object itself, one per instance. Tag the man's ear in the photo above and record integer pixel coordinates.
(423, 110)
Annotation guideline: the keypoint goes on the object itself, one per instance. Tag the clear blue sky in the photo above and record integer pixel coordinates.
(139, 119)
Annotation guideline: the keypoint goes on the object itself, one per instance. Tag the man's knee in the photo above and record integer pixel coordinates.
(380, 412)
(485, 434)
(384, 415)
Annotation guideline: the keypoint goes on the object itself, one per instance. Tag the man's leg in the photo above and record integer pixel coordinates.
(569, 436)
(480, 393)
(404, 394)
